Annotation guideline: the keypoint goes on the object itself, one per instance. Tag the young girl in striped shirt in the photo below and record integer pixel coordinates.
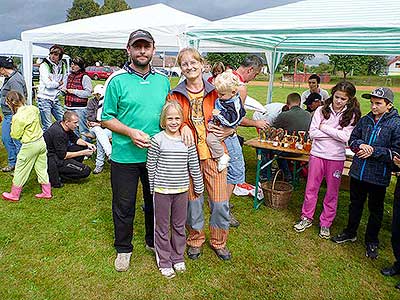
(169, 164)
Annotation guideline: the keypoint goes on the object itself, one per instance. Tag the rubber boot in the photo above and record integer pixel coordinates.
(46, 191)
(14, 195)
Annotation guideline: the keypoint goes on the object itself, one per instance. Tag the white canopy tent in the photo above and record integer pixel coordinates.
(166, 24)
(358, 27)
(16, 48)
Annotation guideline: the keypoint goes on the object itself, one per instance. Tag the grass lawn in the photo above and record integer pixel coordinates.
(63, 249)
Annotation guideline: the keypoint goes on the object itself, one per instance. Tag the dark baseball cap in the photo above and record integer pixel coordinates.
(140, 34)
(6, 62)
(313, 97)
(381, 92)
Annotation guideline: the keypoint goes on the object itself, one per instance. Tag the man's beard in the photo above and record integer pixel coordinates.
(140, 63)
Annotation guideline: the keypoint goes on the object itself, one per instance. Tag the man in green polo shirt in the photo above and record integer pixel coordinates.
(132, 106)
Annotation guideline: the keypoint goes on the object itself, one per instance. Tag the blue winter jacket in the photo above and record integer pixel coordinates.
(384, 137)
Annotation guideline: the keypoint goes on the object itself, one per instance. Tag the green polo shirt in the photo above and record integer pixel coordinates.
(136, 102)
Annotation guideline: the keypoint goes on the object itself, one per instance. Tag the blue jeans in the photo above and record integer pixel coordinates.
(12, 146)
(82, 126)
(236, 167)
(48, 108)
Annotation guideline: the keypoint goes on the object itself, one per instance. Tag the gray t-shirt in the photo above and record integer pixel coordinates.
(15, 82)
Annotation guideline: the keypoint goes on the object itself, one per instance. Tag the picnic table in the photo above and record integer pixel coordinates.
(299, 155)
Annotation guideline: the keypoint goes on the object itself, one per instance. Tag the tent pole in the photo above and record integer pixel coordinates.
(27, 67)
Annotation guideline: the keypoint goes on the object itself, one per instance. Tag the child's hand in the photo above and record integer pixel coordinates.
(365, 151)
(215, 112)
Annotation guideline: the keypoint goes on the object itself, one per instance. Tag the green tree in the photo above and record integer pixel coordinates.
(89, 8)
(83, 9)
(111, 6)
(358, 64)
(228, 59)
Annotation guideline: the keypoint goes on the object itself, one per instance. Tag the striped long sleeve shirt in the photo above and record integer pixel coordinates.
(169, 163)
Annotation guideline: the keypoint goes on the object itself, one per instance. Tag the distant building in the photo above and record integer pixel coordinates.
(394, 66)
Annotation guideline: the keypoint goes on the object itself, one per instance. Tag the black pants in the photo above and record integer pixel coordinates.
(124, 183)
(72, 168)
(396, 225)
(359, 191)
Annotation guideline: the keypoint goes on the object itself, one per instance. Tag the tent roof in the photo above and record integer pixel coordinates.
(15, 48)
(166, 24)
(312, 26)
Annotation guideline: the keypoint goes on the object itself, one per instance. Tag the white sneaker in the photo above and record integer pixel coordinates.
(122, 261)
(324, 233)
(180, 267)
(98, 170)
(167, 272)
(303, 224)
(223, 162)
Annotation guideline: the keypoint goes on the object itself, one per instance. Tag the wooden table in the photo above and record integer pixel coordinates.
(299, 155)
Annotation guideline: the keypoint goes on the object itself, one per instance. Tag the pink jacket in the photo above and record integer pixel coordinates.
(329, 138)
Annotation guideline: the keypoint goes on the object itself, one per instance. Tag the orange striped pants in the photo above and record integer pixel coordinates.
(216, 187)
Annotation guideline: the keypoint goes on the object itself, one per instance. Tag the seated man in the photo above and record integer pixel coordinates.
(313, 101)
(293, 120)
(65, 151)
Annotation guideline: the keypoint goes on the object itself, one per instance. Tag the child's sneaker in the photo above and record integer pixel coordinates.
(167, 272)
(223, 162)
(303, 224)
(98, 170)
(180, 267)
(324, 233)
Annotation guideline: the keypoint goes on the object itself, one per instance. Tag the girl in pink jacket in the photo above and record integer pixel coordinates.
(330, 130)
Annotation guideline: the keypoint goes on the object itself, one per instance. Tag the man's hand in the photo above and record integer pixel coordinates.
(220, 132)
(261, 124)
(187, 136)
(139, 138)
(91, 146)
(365, 151)
(87, 152)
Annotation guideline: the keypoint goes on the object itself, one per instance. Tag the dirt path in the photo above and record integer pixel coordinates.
(323, 85)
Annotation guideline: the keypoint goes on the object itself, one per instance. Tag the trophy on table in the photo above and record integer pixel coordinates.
(272, 134)
(301, 142)
(307, 145)
(293, 140)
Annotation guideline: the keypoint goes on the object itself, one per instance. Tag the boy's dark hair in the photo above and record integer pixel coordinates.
(293, 98)
(315, 76)
(79, 61)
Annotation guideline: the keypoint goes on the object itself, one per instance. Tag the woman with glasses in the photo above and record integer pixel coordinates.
(197, 98)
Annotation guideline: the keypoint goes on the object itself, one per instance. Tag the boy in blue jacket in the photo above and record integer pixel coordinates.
(373, 140)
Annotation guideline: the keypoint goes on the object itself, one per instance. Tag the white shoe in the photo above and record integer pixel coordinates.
(167, 272)
(180, 267)
(324, 233)
(223, 162)
(122, 261)
(303, 224)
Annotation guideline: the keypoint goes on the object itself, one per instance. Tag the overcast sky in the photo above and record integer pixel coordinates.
(19, 15)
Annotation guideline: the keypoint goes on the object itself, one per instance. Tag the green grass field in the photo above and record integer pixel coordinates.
(63, 248)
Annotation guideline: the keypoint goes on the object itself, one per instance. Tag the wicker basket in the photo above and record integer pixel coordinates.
(277, 194)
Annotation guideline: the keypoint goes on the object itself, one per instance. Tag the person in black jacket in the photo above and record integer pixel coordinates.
(373, 141)
(65, 151)
(395, 268)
